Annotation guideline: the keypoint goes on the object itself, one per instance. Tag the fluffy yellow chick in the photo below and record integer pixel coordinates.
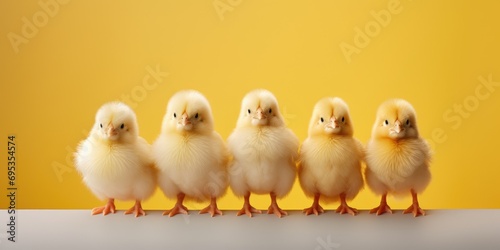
(114, 161)
(191, 156)
(330, 158)
(264, 152)
(397, 158)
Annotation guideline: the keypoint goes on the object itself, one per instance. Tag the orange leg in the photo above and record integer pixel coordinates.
(178, 208)
(106, 209)
(315, 208)
(274, 208)
(247, 208)
(212, 208)
(136, 209)
(344, 208)
(414, 208)
(383, 207)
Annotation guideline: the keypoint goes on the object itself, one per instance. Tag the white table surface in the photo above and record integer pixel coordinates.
(77, 229)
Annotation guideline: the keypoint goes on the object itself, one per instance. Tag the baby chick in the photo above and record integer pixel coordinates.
(397, 158)
(191, 156)
(330, 158)
(264, 152)
(114, 161)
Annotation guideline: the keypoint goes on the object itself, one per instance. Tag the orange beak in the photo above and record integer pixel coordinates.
(398, 127)
(185, 120)
(334, 123)
(260, 114)
(111, 130)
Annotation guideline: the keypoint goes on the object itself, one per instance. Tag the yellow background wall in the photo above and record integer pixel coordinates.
(86, 53)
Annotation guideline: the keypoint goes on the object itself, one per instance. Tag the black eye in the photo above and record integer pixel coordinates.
(175, 115)
(270, 111)
(343, 119)
(249, 111)
(407, 122)
(196, 116)
(386, 122)
(122, 126)
(322, 120)
(100, 125)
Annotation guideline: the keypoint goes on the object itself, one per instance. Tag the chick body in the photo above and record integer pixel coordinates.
(190, 163)
(264, 160)
(114, 161)
(397, 167)
(397, 158)
(264, 152)
(331, 166)
(190, 155)
(330, 158)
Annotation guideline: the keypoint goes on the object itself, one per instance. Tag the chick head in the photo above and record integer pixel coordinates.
(116, 122)
(330, 117)
(188, 111)
(260, 108)
(396, 119)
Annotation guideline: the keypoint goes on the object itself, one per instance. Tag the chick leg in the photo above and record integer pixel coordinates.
(136, 209)
(274, 208)
(344, 208)
(212, 208)
(106, 209)
(315, 208)
(415, 208)
(383, 207)
(247, 208)
(178, 208)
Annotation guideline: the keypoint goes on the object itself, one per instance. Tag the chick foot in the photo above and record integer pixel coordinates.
(178, 208)
(106, 209)
(414, 208)
(315, 208)
(212, 208)
(383, 207)
(274, 208)
(344, 208)
(247, 208)
(136, 209)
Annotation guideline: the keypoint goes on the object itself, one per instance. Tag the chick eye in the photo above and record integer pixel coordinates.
(175, 115)
(100, 125)
(196, 116)
(322, 120)
(249, 111)
(386, 122)
(122, 126)
(343, 119)
(270, 111)
(407, 122)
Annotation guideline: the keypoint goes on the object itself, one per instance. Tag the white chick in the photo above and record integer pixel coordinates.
(330, 158)
(264, 152)
(115, 162)
(397, 158)
(191, 156)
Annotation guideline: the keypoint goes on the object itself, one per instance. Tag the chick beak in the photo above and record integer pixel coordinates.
(397, 127)
(334, 122)
(111, 130)
(185, 120)
(260, 114)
